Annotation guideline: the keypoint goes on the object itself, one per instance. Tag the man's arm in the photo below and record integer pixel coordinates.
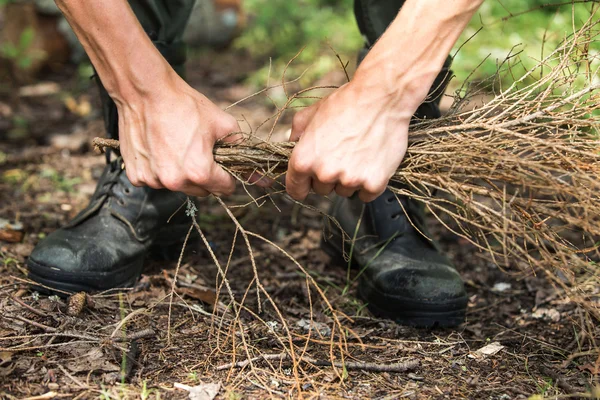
(167, 129)
(355, 139)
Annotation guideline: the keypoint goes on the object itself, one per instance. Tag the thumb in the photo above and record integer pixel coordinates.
(229, 129)
(301, 121)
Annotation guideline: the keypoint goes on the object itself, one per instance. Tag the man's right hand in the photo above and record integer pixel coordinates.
(167, 129)
(167, 139)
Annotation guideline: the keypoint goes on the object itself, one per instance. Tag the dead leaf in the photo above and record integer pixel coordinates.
(547, 314)
(93, 360)
(208, 296)
(592, 369)
(10, 236)
(491, 349)
(82, 107)
(204, 391)
(488, 350)
(5, 356)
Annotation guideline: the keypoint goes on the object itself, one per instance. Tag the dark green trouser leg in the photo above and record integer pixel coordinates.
(164, 21)
(373, 18)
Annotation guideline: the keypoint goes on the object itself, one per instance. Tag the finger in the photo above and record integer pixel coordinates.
(140, 174)
(301, 121)
(221, 182)
(260, 180)
(367, 196)
(344, 191)
(297, 184)
(230, 131)
(194, 191)
(321, 188)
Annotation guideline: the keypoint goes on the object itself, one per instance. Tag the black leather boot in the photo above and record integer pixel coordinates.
(105, 245)
(403, 275)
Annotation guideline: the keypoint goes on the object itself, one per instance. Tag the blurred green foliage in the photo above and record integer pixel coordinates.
(19, 52)
(531, 28)
(280, 28)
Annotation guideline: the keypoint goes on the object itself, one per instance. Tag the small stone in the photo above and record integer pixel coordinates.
(320, 327)
(415, 377)
(501, 287)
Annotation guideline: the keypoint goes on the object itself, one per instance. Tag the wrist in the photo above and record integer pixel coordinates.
(395, 86)
(141, 76)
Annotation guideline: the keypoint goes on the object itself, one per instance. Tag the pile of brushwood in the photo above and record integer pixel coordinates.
(518, 177)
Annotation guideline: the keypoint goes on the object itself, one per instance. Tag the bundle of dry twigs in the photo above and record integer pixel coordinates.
(519, 176)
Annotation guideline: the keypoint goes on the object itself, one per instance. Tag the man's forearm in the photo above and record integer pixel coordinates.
(412, 51)
(124, 57)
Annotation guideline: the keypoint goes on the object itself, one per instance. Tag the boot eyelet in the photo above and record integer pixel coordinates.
(127, 190)
(390, 200)
(395, 216)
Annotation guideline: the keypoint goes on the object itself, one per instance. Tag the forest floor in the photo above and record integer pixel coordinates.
(143, 343)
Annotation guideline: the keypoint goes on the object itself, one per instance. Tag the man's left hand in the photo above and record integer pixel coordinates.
(353, 140)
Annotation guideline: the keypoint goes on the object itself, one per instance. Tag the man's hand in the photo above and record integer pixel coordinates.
(167, 140)
(350, 141)
(355, 139)
(167, 129)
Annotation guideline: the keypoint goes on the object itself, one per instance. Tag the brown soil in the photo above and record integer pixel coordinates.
(116, 345)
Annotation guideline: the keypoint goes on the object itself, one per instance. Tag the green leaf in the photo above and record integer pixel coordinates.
(9, 50)
(344, 373)
(26, 38)
(25, 62)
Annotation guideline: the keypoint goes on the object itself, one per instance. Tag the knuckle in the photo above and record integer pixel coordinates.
(232, 125)
(149, 180)
(375, 186)
(172, 182)
(351, 181)
(327, 174)
(133, 178)
(200, 177)
(303, 165)
(300, 119)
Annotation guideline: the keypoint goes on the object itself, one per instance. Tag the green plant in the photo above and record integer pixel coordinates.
(146, 393)
(193, 376)
(526, 31)
(234, 396)
(279, 29)
(20, 52)
(59, 181)
(20, 127)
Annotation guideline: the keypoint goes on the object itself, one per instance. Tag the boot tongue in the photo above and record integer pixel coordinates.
(115, 194)
(101, 194)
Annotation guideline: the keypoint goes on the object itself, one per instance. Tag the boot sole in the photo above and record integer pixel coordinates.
(407, 312)
(72, 282)
(123, 278)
